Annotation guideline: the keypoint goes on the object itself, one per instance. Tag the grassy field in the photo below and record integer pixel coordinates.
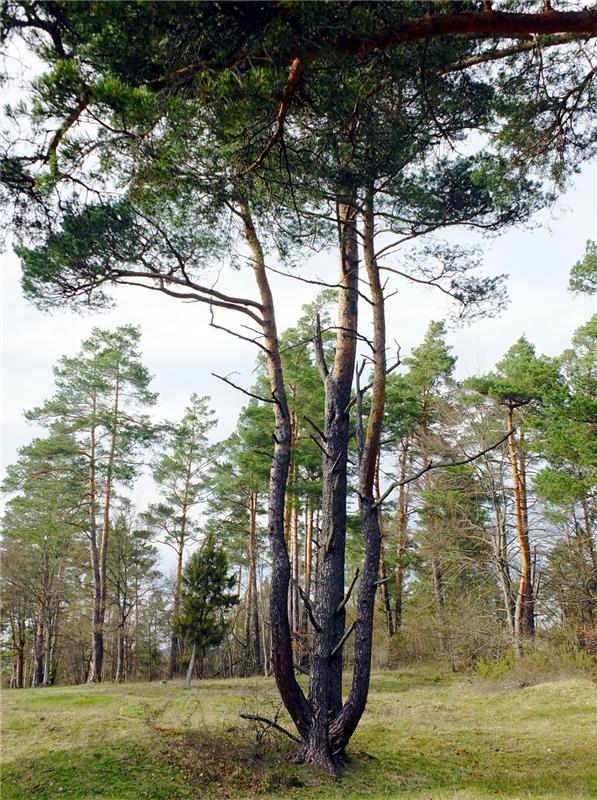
(425, 736)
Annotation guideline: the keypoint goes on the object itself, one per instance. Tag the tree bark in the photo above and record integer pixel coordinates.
(524, 611)
(347, 720)
(174, 642)
(252, 633)
(383, 570)
(191, 666)
(97, 639)
(282, 656)
(103, 554)
(38, 661)
(402, 534)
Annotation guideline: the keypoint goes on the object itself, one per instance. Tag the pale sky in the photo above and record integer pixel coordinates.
(181, 350)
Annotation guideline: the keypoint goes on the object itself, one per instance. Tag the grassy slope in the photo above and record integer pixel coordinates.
(424, 737)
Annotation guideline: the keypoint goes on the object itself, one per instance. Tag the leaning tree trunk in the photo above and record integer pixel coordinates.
(191, 666)
(282, 656)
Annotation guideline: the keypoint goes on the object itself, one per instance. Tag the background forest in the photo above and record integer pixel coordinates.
(456, 538)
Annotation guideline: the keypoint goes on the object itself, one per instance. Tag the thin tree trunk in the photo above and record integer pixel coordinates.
(294, 549)
(383, 572)
(402, 535)
(174, 642)
(524, 598)
(20, 666)
(252, 637)
(47, 653)
(97, 639)
(38, 662)
(100, 613)
(529, 606)
(120, 676)
(503, 566)
(308, 565)
(191, 666)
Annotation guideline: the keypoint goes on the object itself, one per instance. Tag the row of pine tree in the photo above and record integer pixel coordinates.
(487, 490)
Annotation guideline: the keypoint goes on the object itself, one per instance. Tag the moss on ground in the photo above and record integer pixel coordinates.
(425, 736)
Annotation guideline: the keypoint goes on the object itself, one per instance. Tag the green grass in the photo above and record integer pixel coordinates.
(424, 736)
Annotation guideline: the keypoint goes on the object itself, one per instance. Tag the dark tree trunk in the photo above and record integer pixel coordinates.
(121, 671)
(38, 655)
(282, 656)
(325, 687)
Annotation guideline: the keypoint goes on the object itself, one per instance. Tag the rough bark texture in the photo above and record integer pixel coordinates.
(346, 722)
(282, 656)
(325, 687)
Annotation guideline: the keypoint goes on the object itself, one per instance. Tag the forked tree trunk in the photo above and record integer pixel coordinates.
(347, 720)
(325, 687)
(324, 724)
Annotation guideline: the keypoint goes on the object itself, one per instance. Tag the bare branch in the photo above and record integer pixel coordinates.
(271, 724)
(316, 427)
(308, 606)
(342, 605)
(319, 352)
(340, 644)
(439, 465)
(244, 391)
